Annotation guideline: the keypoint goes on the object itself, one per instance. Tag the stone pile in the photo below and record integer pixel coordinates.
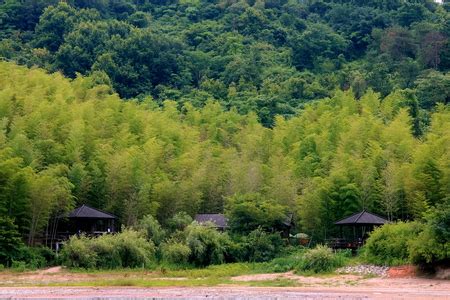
(364, 270)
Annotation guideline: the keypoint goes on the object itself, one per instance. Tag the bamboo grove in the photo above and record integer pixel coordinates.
(68, 142)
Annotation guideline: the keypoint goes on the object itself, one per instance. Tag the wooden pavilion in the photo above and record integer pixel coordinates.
(82, 220)
(355, 228)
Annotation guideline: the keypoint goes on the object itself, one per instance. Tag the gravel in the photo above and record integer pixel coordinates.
(364, 270)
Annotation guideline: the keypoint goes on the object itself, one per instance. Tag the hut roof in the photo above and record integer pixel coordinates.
(289, 220)
(85, 211)
(218, 220)
(362, 218)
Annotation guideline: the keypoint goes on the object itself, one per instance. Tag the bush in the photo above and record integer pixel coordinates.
(388, 245)
(179, 221)
(286, 263)
(36, 257)
(128, 249)
(152, 229)
(77, 253)
(19, 266)
(106, 250)
(207, 245)
(175, 252)
(134, 250)
(320, 259)
(433, 244)
(261, 246)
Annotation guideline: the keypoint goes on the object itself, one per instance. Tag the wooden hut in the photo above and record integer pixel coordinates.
(357, 227)
(219, 221)
(86, 220)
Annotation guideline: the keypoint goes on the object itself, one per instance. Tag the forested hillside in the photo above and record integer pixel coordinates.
(270, 57)
(65, 143)
(258, 109)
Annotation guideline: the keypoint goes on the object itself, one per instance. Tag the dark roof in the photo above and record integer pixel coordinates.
(289, 220)
(218, 220)
(85, 211)
(362, 218)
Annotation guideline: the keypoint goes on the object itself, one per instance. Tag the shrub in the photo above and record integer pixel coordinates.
(433, 244)
(128, 249)
(152, 229)
(207, 245)
(19, 266)
(286, 263)
(175, 252)
(261, 246)
(134, 250)
(77, 253)
(107, 254)
(388, 245)
(179, 221)
(36, 257)
(320, 259)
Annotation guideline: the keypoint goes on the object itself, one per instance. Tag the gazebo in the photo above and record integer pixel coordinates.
(87, 220)
(362, 223)
(91, 220)
(83, 219)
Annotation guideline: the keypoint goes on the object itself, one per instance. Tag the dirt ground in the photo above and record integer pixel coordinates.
(224, 292)
(19, 286)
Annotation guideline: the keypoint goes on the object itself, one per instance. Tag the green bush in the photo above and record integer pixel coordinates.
(320, 259)
(19, 266)
(134, 250)
(286, 263)
(128, 249)
(261, 246)
(107, 254)
(433, 244)
(36, 257)
(207, 245)
(388, 245)
(179, 221)
(175, 252)
(152, 229)
(78, 253)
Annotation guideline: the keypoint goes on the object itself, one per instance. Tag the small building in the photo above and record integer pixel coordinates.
(219, 221)
(355, 229)
(89, 220)
(82, 220)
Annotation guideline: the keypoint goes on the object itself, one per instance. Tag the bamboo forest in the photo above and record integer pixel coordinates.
(152, 112)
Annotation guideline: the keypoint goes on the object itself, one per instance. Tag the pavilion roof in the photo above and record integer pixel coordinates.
(85, 211)
(362, 218)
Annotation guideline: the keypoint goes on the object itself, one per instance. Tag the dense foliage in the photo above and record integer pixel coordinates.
(261, 109)
(424, 243)
(321, 259)
(389, 244)
(65, 143)
(127, 249)
(266, 56)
